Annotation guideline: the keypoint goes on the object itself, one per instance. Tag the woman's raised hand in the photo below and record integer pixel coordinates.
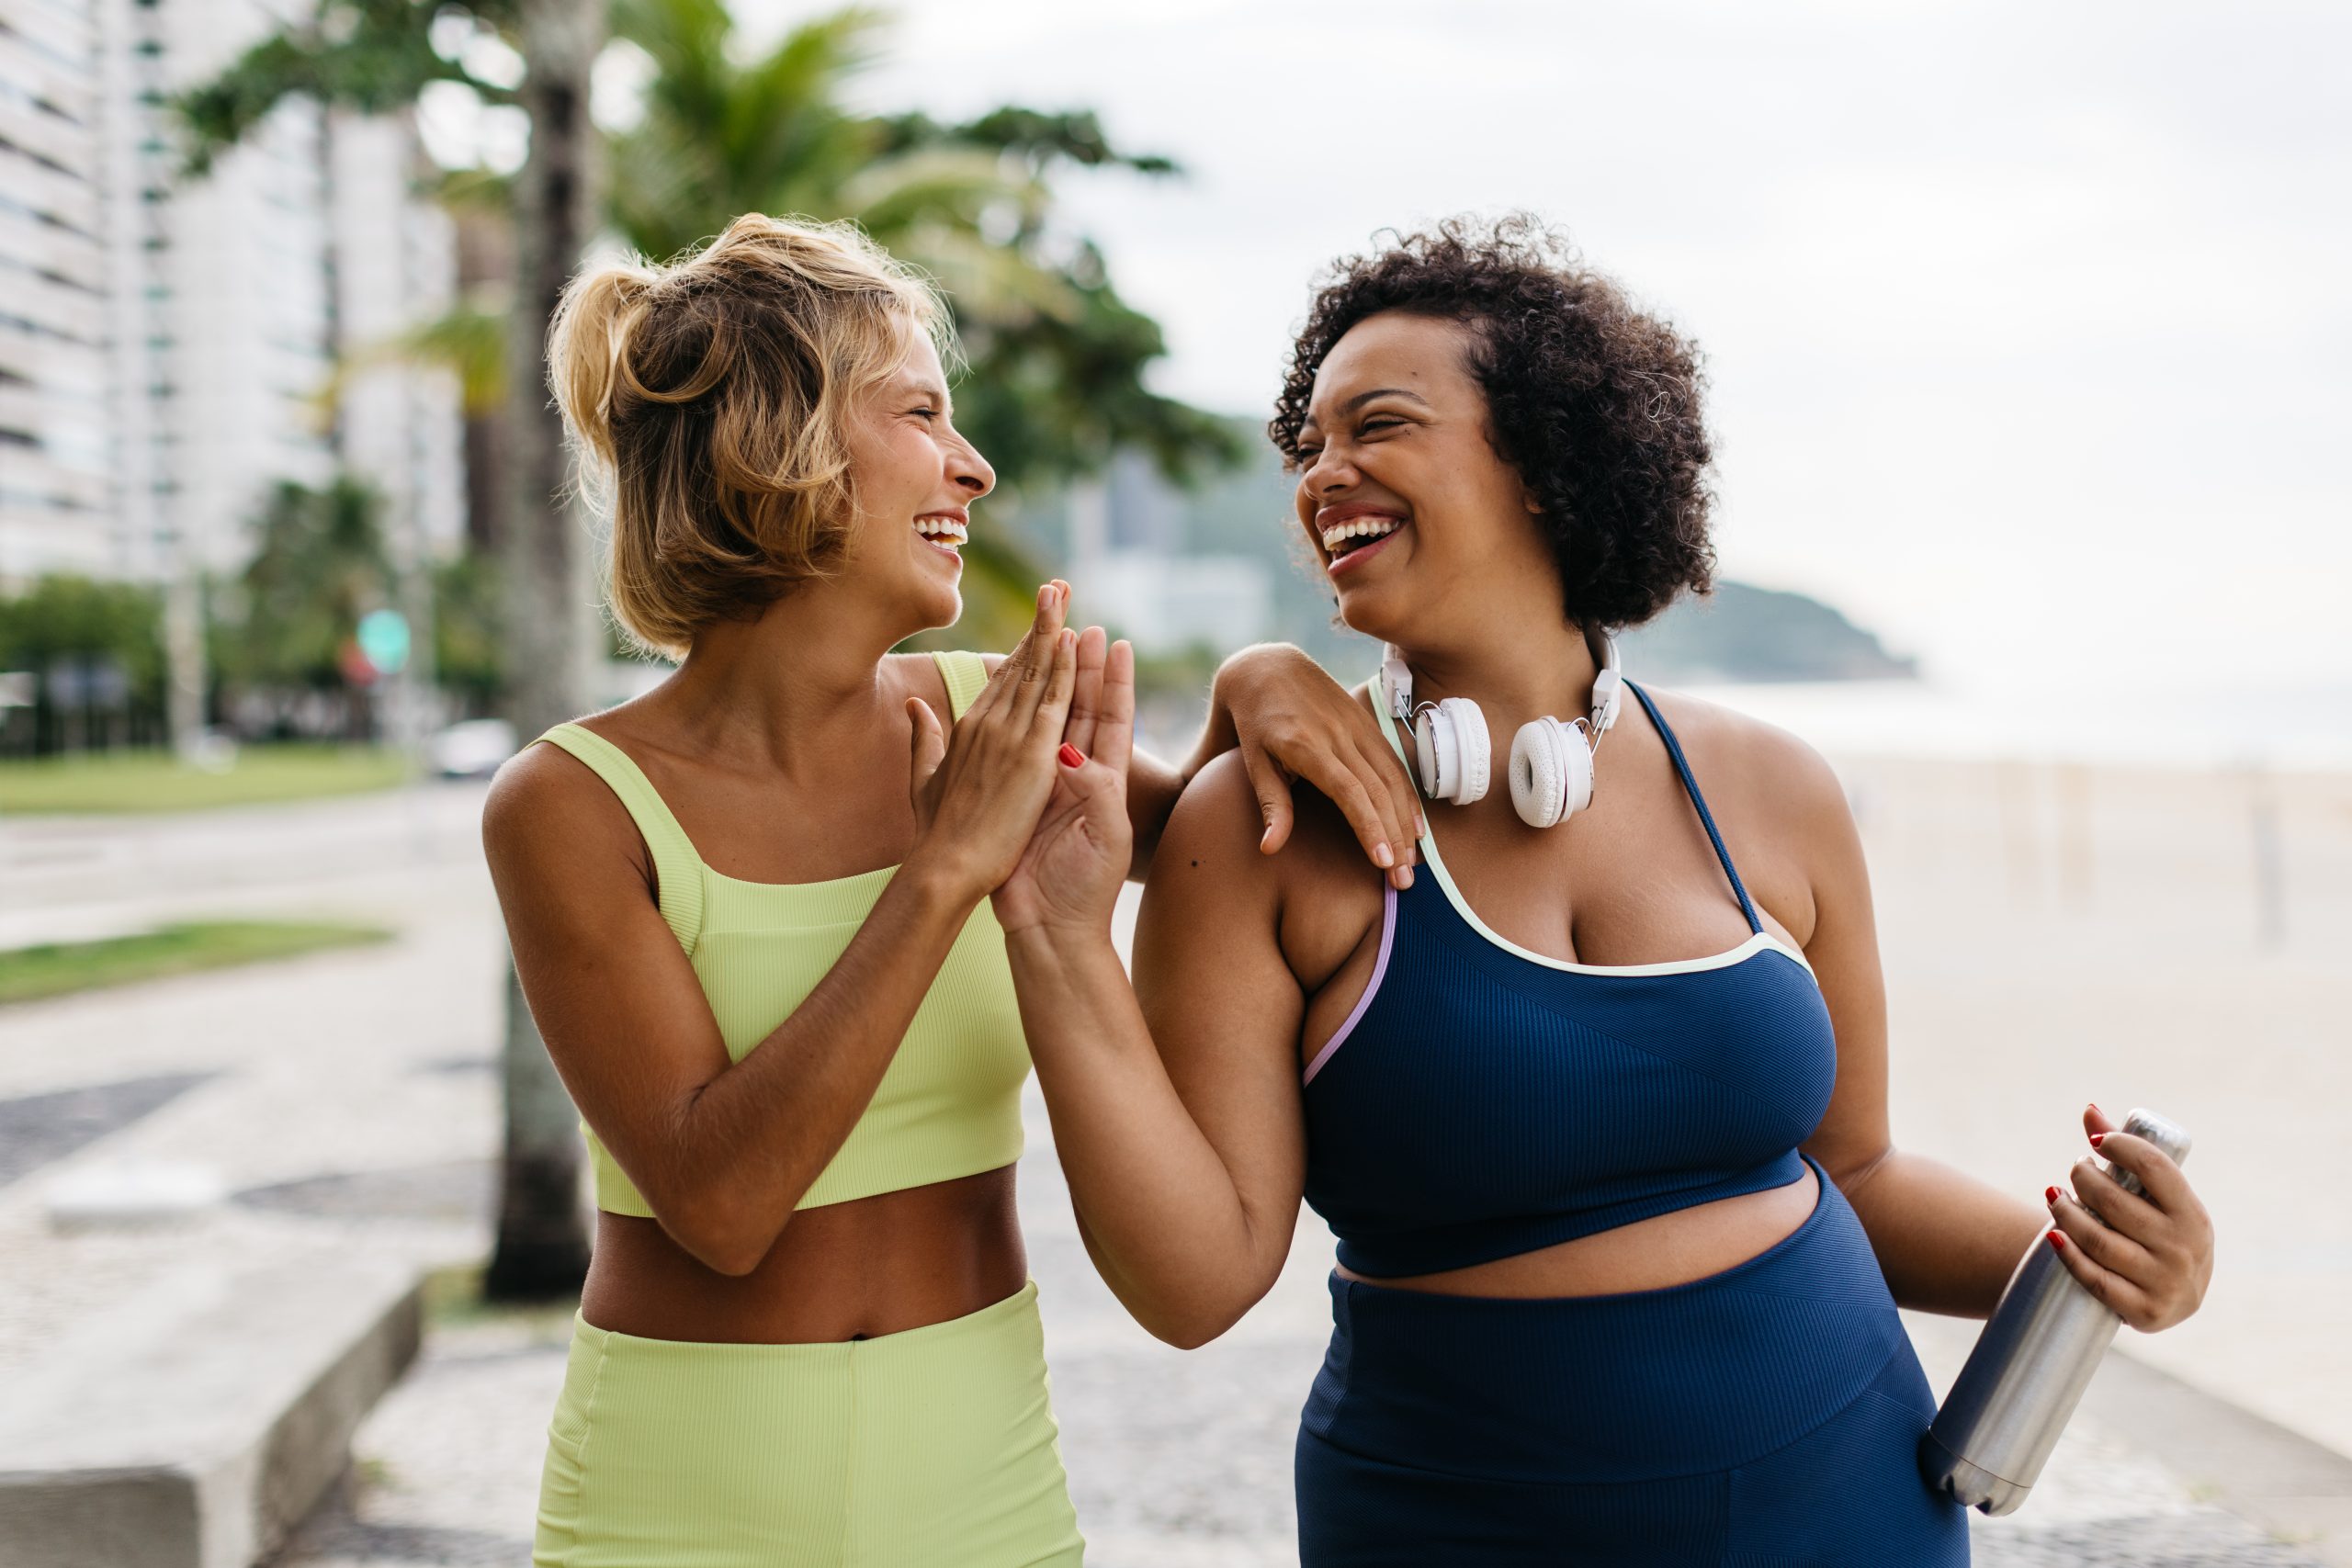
(1070, 875)
(978, 795)
(2149, 1256)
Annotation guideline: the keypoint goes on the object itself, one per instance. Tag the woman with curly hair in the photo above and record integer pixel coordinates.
(1596, 1109)
(751, 912)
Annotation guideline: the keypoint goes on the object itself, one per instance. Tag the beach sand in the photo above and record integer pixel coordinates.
(2057, 933)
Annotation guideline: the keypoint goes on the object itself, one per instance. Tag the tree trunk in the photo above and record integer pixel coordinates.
(549, 629)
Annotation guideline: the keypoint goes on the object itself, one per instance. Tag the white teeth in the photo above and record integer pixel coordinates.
(1361, 527)
(943, 530)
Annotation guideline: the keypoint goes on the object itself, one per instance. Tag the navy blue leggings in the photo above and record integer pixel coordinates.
(1763, 1417)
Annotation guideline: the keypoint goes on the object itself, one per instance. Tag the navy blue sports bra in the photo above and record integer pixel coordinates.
(1482, 1101)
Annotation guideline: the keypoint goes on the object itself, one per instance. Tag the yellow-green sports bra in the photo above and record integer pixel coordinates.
(950, 1103)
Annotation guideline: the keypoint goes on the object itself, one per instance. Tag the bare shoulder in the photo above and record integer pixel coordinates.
(545, 805)
(1218, 826)
(1769, 772)
(1215, 826)
(918, 675)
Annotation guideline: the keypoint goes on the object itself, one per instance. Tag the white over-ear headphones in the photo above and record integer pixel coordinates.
(1550, 762)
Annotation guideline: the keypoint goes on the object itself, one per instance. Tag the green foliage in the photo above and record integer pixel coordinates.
(1057, 357)
(469, 341)
(720, 137)
(318, 566)
(1035, 135)
(72, 619)
(1055, 393)
(465, 652)
(371, 55)
(1180, 674)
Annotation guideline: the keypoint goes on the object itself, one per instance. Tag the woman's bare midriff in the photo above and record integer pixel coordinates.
(1649, 1255)
(854, 1271)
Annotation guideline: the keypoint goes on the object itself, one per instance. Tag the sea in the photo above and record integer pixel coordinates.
(2282, 727)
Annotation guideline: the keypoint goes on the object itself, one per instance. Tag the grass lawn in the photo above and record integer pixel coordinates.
(156, 781)
(53, 970)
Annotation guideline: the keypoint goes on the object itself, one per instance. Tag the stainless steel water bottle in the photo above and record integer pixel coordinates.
(2030, 1367)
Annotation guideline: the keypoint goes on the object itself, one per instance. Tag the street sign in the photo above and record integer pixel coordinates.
(383, 638)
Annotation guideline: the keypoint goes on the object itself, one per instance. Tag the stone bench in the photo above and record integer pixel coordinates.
(193, 1426)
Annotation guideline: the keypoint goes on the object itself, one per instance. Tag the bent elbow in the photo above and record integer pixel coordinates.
(1189, 1328)
(719, 1234)
(1187, 1336)
(734, 1261)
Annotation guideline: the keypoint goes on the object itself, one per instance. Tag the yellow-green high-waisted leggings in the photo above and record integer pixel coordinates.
(933, 1446)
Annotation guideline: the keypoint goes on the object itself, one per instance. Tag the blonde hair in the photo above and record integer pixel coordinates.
(705, 401)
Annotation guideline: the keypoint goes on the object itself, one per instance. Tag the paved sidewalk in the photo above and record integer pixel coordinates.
(348, 1098)
(1176, 1460)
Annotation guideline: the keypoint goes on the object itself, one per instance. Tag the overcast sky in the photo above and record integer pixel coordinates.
(2026, 324)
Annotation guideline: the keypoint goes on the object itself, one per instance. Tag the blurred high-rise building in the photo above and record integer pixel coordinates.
(56, 505)
(164, 341)
(1146, 580)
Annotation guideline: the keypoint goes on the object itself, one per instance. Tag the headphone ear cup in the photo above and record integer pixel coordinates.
(1551, 773)
(1428, 751)
(1575, 752)
(1538, 772)
(1474, 750)
(1450, 745)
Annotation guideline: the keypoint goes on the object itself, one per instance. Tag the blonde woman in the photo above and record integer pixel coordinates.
(750, 911)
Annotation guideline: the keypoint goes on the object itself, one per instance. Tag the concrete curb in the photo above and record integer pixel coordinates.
(195, 1425)
(2298, 1490)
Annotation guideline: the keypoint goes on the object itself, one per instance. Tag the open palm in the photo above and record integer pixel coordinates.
(1070, 871)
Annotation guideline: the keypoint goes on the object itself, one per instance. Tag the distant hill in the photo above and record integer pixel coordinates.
(1738, 633)
(1745, 632)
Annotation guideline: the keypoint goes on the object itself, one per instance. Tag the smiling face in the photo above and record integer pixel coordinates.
(915, 479)
(1424, 531)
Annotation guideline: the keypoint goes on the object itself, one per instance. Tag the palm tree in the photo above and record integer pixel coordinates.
(552, 637)
(1057, 357)
(376, 55)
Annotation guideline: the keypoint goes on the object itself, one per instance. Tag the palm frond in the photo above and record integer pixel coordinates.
(468, 340)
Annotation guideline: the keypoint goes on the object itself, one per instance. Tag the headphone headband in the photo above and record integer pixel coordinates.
(1607, 686)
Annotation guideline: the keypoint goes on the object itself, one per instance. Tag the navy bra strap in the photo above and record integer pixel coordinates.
(1682, 766)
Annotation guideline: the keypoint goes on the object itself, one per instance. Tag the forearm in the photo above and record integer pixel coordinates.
(1163, 1218)
(750, 1142)
(1153, 788)
(1946, 1242)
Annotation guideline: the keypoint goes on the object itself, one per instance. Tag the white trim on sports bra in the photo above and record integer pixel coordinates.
(1435, 862)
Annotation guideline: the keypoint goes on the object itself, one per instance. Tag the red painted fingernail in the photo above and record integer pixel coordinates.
(2058, 1240)
(2097, 1138)
(1071, 756)
(2050, 1195)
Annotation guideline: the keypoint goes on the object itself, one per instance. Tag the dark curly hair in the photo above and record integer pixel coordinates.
(1595, 404)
